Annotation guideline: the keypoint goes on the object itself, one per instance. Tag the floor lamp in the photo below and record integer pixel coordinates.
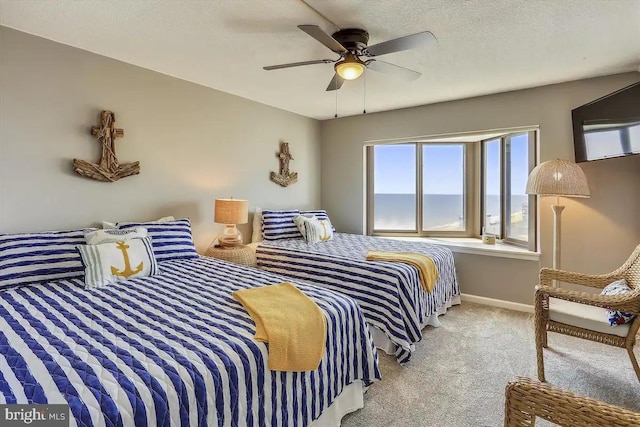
(560, 178)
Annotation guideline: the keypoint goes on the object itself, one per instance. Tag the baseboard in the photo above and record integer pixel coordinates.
(498, 303)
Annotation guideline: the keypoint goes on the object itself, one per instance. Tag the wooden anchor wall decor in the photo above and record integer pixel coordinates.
(109, 169)
(284, 178)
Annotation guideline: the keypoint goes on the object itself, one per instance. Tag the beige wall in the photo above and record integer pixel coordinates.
(193, 143)
(505, 279)
(598, 233)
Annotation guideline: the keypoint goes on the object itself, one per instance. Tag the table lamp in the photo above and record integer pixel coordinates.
(560, 178)
(231, 212)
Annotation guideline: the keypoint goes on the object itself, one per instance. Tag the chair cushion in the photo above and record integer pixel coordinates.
(584, 316)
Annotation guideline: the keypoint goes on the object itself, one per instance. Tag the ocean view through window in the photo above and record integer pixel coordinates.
(443, 201)
(506, 208)
(437, 172)
(453, 189)
(516, 204)
(395, 187)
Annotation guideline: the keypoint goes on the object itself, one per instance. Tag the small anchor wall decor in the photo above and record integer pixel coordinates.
(109, 169)
(284, 178)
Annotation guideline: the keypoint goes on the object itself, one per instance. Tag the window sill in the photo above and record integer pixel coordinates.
(468, 245)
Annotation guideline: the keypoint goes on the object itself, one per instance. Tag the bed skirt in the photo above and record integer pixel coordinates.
(382, 341)
(350, 400)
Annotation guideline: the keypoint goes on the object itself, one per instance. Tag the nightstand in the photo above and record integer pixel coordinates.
(243, 255)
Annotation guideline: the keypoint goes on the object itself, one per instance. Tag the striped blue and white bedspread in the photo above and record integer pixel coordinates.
(173, 349)
(390, 294)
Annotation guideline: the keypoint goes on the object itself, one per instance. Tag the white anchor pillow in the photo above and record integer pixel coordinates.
(301, 222)
(117, 261)
(314, 230)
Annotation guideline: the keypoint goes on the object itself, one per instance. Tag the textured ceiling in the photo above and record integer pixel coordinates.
(483, 46)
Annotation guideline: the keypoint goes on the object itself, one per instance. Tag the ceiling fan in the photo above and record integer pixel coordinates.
(355, 55)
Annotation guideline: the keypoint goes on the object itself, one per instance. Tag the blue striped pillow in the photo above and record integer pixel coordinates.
(278, 225)
(170, 239)
(30, 258)
(320, 215)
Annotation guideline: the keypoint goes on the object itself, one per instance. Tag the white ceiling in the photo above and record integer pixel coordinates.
(483, 46)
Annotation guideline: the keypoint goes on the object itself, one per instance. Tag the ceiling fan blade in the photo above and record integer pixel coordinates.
(335, 83)
(400, 44)
(324, 38)
(396, 70)
(298, 64)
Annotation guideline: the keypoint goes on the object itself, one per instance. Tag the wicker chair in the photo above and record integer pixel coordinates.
(582, 319)
(527, 399)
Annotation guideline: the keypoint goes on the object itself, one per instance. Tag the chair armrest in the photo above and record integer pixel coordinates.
(547, 275)
(628, 302)
(526, 399)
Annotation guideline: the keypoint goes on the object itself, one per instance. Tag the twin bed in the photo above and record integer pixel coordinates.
(389, 293)
(173, 349)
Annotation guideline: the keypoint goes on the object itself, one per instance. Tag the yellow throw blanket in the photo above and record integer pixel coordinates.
(426, 267)
(291, 322)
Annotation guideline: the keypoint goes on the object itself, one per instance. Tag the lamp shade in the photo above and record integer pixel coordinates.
(558, 178)
(231, 211)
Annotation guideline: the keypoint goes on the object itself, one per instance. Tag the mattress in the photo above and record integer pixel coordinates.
(389, 294)
(172, 349)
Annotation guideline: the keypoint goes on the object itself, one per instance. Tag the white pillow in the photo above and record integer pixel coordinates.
(301, 222)
(318, 213)
(111, 225)
(117, 261)
(114, 235)
(256, 235)
(314, 230)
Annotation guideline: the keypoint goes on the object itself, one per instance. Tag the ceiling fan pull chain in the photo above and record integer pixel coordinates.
(364, 93)
(336, 91)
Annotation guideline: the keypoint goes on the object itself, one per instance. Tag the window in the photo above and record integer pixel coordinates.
(454, 189)
(401, 172)
(394, 188)
(492, 187)
(443, 195)
(507, 211)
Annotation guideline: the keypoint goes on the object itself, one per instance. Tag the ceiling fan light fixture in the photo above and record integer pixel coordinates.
(350, 68)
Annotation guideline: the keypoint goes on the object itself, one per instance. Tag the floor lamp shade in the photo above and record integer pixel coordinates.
(560, 178)
(231, 212)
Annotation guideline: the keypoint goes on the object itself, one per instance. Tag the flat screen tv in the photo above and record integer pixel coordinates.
(608, 127)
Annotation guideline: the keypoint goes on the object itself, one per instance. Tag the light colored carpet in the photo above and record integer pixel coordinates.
(459, 371)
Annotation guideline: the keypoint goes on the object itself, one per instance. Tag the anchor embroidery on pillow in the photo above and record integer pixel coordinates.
(128, 271)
